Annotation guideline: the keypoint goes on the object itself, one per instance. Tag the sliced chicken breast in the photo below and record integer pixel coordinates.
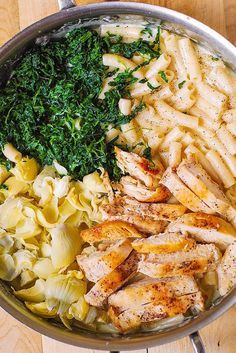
(159, 211)
(227, 270)
(100, 263)
(182, 193)
(164, 243)
(135, 188)
(111, 230)
(197, 179)
(144, 224)
(201, 259)
(112, 281)
(139, 168)
(153, 299)
(205, 228)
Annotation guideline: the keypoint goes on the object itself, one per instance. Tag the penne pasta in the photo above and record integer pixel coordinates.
(229, 116)
(172, 47)
(184, 98)
(227, 139)
(125, 106)
(178, 118)
(190, 59)
(221, 169)
(192, 150)
(157, 65)
(231, 127)
(175, 134)
(223, 81)
(211, 95)
(175, 151)
(210, 110)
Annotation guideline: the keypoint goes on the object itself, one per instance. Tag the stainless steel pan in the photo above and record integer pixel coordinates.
(93, 15)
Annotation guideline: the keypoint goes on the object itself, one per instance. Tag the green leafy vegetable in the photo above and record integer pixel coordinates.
(52, 87)
(147, 30)
(180, 85)
(214, 58)
(163, 76)
(3, 186)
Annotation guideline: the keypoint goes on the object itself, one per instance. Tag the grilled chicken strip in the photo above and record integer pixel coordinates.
(159, 211)
(147, 218)
(153, 299)
(135, 188)
(139, 168)
(182, 193)
(164, 243)
(205, 228)
(144, 224)
(227, 270)
(100, 263)
(201, 259)
(111, 231)
(197, 179)
(112, 281)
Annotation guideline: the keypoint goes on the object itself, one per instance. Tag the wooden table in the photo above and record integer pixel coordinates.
(220, 336)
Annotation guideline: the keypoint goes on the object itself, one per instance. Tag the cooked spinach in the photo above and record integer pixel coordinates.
(58, 83)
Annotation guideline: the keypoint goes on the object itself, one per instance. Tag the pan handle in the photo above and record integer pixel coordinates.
(197, 343)
(66, 4)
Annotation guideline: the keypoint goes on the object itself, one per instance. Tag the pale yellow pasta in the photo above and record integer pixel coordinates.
(230, 160)
(138, 59)
(231, 127)
(175, 134)
(131, 132)
(165, 158)
(121, 63)
(171, 43)
(125, 106)
(178, 118)
(106, 87)
(190, 59)
(184, 98)
(175, 151)
(212, 95)
(169, 77)
(164, 93)
(192, 150)
(142, 89)
(187, 139)
(4, 174)
(229, 116)
(127, 31)
(221, 169)
(157, 65)
(221, 78)
(210, 110)
(11, 153)
(227, 139)
(115, 134)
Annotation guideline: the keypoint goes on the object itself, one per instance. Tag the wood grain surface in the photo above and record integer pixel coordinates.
(218, 337)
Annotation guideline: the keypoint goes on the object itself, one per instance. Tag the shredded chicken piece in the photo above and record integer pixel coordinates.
(135, 188)
(140, 168)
